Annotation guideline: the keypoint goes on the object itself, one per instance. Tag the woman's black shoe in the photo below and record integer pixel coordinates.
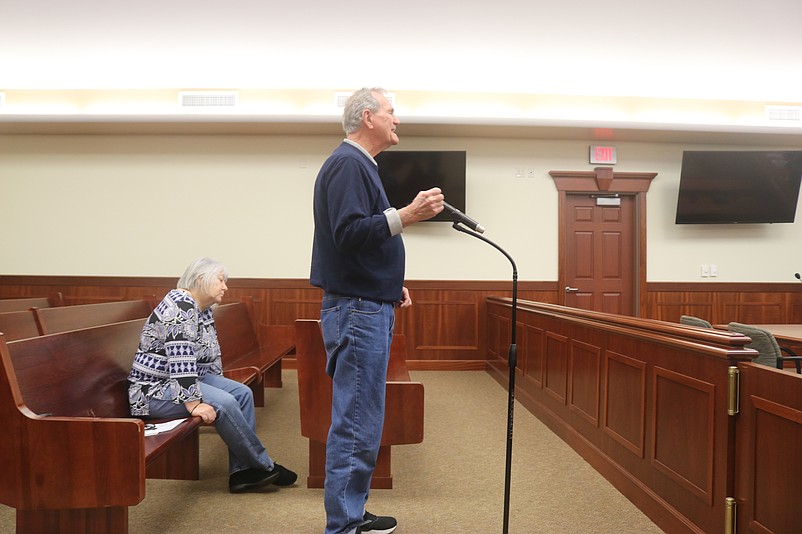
(285, 476)
(251, 478)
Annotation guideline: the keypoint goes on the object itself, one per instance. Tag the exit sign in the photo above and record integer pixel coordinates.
(602, 154)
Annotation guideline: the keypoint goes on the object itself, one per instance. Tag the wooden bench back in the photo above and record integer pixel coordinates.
(54, 299)
(235, 331)
(64, 318)
(18, 324)
(314, 385)
(77, 373)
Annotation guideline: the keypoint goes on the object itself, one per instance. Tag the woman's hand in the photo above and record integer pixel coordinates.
(204, 411)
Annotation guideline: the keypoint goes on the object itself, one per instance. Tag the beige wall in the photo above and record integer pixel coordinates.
(146, 205)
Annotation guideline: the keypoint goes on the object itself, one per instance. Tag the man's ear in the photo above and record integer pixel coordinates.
(367, 118)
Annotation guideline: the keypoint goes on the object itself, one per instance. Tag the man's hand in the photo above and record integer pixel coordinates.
(426, 205)
(405, 301)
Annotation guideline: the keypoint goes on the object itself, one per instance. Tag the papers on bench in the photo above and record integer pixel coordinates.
(152, 429)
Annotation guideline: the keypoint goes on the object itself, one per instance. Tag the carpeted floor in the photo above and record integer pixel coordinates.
(451, 483)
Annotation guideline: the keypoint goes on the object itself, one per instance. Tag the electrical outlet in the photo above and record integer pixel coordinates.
(530, 172)
(713, 270)
(519, 172)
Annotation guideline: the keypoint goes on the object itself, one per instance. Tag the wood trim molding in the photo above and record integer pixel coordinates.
(602, 179)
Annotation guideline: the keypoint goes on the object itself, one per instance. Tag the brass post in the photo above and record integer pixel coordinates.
(730, 509)
(733, 393)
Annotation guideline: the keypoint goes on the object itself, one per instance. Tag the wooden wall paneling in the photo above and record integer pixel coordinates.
(447, 311)
(756, 308)
(794, 306)
(721, 303)
(446, 325)
(670, 305)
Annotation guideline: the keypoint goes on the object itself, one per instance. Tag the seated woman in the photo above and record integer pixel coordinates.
(177, 372)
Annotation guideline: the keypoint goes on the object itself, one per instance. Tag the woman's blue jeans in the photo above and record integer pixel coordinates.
(357, 334)
(235, 423)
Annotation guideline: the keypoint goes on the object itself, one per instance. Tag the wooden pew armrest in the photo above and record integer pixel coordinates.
(70, 453)
(244, 375)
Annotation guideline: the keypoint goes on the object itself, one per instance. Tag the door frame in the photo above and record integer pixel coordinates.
(605, 180)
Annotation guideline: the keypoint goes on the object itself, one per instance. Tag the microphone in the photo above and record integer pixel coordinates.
(460, 217)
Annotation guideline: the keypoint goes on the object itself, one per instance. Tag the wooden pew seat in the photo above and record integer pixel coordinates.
(403, 420)
(74, 459)
(241, 348)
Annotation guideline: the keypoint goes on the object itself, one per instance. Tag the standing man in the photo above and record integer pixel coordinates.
(358, 260)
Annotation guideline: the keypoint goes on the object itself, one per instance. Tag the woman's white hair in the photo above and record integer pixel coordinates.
(360, 100)
(201, 274)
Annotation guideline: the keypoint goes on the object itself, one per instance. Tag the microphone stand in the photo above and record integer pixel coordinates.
(512, 362)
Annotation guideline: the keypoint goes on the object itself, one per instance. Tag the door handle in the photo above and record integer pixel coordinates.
(569, 289)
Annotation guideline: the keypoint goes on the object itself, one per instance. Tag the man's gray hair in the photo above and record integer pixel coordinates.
(201, 274)
(356, 103)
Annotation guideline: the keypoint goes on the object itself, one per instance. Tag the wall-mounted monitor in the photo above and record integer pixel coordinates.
(406, 172)
(729, 187)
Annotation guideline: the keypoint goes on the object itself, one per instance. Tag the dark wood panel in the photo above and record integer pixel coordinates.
(445, 327)
(556, 372)
(585, 381)
(769, 437)
(625, 401)
(682, 431)
(721, 303)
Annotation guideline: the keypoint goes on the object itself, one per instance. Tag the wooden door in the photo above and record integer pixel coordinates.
(602, 246)
(600, 252)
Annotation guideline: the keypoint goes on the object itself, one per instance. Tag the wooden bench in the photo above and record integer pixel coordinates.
(241, 348)
(63, 318)
(18, 324)
(74, 459)
(403, 419)
(54, 299)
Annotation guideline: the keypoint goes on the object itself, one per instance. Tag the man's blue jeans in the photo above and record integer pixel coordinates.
(357, 334)
(235, 423)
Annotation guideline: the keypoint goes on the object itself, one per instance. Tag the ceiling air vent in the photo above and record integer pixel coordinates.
(784, 113)
(216, 99)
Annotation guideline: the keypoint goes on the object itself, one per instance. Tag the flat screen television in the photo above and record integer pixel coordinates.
(731, 187)
(406, 172)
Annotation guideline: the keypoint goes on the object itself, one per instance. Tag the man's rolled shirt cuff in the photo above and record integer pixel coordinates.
(393, 221)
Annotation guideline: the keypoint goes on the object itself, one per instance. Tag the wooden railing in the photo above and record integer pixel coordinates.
(652, 405)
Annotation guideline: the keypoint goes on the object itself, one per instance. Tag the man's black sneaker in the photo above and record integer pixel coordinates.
(376, 524)
(251, 478)
(285, 476)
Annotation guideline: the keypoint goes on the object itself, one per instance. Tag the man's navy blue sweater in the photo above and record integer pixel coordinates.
(353, 253)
